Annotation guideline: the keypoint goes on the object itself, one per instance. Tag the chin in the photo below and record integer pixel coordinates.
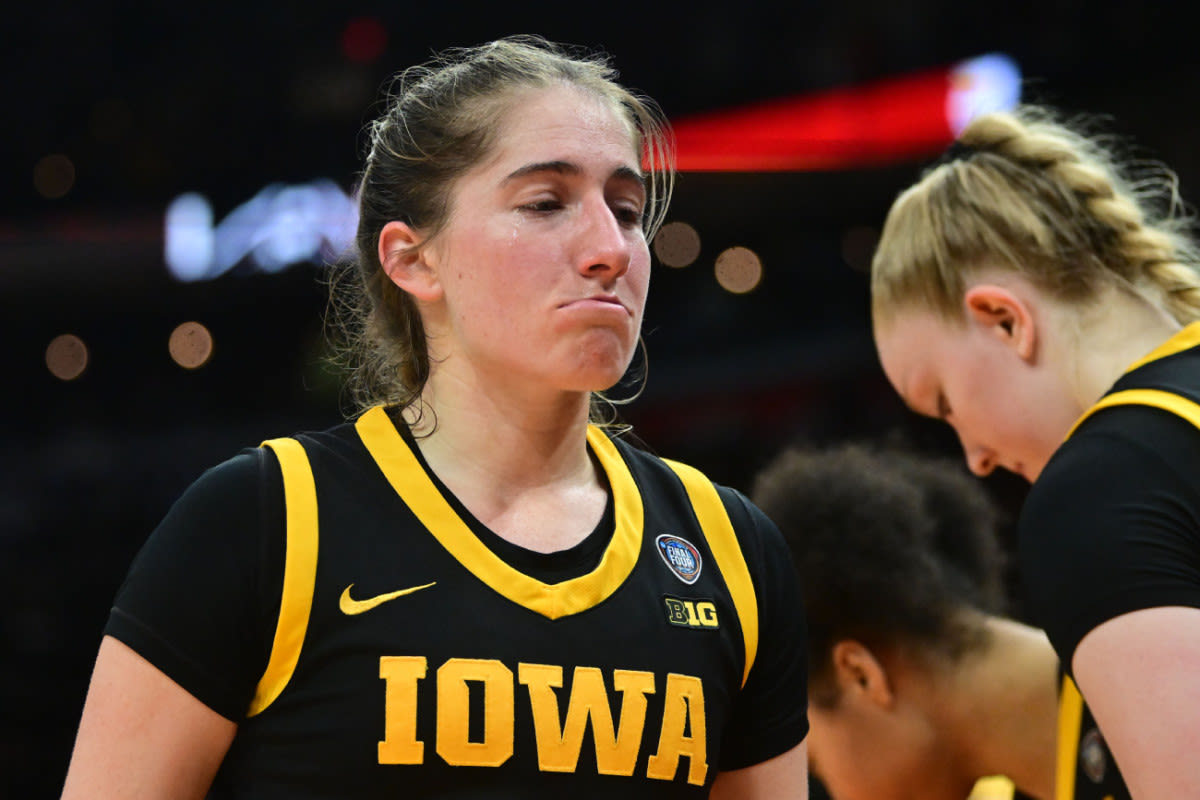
(600, 372)
(598, 382)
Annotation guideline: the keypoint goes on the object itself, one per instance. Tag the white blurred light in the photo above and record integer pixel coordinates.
(189, 249)
(988, 83)
(278, 227)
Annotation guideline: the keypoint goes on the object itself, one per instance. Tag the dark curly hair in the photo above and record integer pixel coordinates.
(892, 547)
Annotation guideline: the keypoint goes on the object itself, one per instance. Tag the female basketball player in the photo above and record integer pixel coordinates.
(919, 684)
(469, 591)
(1027, 291)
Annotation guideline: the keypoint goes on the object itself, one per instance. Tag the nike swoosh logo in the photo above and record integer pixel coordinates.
(350, 606)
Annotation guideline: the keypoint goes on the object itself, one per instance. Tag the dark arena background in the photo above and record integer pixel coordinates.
(177, 176)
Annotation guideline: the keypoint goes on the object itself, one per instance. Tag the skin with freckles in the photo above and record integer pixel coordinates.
(540, 278)
(532, 298)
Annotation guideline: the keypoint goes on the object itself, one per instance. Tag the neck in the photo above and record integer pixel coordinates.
(1115, 331)
(508, 457)
(1008, 722)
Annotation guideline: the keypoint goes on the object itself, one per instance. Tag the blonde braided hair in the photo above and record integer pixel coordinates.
(1034, 194)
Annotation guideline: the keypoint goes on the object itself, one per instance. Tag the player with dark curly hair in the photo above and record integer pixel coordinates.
(920, 685)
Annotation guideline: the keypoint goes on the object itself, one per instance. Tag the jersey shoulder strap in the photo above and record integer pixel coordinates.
(1070, 722)
(718, 531)
(1168, 401)
(299, 571)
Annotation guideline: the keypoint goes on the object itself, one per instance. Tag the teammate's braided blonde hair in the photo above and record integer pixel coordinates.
(1033, 194)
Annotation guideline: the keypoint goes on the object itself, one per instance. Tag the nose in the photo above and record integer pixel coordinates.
(604, 244)
(980, 460)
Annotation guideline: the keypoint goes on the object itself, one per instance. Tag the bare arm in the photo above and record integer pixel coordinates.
(142, 735)
(1140, 675)
(784, 777)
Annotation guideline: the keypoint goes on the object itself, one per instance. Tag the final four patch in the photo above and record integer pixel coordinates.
(681, 556)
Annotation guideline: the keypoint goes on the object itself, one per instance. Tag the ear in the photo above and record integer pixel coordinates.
(406, 262)
(1005, 314)
(858, 671)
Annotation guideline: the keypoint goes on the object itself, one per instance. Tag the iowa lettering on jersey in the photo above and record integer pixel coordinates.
(618, 744)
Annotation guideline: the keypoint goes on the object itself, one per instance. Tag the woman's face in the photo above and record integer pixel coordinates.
(1008, 410)
(873, 754)
(890, 746)
(543, 267)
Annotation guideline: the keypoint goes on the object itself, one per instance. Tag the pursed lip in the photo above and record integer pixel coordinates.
(597, 300)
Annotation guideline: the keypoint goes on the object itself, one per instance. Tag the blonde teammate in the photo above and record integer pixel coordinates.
(1033, 289)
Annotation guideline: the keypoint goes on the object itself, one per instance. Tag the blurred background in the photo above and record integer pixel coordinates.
(176, 176)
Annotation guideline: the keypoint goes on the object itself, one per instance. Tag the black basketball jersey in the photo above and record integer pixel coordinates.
(415, 657)
(1110, 526)
(1100, 508)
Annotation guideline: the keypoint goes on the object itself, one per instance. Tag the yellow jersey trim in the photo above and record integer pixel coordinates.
(1168, 401)
(1070, 718)
(410, 481)
(718, 530)
(993, 787)
(299, 571)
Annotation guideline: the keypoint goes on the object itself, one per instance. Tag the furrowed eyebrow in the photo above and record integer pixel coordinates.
(568, 168)
(630, 174)
(559, 167)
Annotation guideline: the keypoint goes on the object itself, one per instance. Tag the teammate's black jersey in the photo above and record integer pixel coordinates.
(1112, 525)
(414, 653)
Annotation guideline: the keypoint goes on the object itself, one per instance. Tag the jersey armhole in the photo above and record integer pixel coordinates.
(299, 571)
(718, 531)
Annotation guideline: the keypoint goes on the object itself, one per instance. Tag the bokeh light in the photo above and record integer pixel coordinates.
(66, 357)
(53, 176)
(363, 39)
(738, 270)
(677, 244)
(190, 345)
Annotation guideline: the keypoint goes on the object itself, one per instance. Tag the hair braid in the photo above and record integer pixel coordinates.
(1039, 196)
(1148, 252)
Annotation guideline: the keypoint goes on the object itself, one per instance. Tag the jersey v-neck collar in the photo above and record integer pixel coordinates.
(403, 470)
